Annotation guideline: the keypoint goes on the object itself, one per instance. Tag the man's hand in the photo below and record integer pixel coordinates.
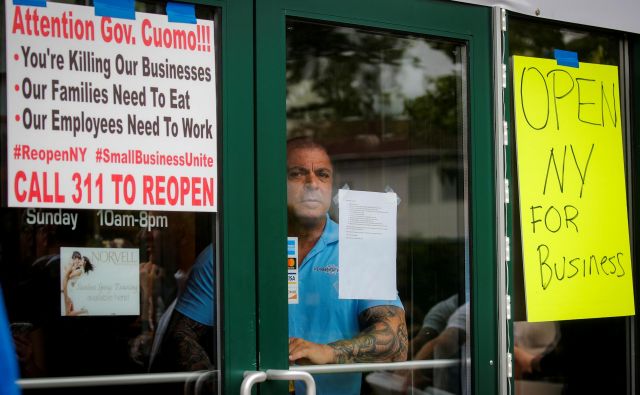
(303, 352)
(383, 339)
(523, 361)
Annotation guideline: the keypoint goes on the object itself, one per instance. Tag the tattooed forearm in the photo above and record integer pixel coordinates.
(187, 337)
(383, 338)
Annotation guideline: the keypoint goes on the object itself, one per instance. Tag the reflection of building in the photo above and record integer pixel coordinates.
(394, 120)
(426, 184)
(429, 181)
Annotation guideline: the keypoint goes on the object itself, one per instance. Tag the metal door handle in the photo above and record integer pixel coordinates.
(251, 378)
(274, 374)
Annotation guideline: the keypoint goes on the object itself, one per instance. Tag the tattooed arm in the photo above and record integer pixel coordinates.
(383, 339)
(186, 343)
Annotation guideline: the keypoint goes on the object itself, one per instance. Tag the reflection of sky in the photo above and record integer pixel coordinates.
(419, 64)
(408, 80)
(432, 63)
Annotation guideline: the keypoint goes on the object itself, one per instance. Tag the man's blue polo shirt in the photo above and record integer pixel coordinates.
(321, 317)
(197, 300)
(9, 366)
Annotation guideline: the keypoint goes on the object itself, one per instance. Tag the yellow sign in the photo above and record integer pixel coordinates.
(573, 206)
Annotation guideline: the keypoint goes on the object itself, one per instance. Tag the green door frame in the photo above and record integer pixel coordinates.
(236, 271)
(634, 108)
(471, 24)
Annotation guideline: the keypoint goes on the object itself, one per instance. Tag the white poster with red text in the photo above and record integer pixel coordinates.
(110, 113)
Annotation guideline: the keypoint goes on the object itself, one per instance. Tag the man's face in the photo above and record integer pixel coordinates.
(309, 184)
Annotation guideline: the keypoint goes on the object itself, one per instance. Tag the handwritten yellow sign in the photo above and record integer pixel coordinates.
(573, 206)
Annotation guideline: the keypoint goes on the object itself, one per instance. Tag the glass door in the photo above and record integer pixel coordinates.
(549, 356)
(374, 126)
(130, 204)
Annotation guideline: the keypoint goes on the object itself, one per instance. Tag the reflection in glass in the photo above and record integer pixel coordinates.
(557, 357)
(52, 338)
(391, 111)
(59, 337)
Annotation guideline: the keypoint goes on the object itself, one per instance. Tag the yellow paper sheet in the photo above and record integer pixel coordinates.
(573, 206)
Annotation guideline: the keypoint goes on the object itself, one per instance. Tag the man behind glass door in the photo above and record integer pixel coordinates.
(324, 329)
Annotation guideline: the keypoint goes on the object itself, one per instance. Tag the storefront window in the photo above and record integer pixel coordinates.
(97, 271)
(372, 114)
(557, 357)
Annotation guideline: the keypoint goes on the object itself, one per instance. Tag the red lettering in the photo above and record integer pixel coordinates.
(18, 23)
(160, 190)
(35, 22)
(34, 188)
(184, 189)
(195, 191)
(172, 191)
(208, 191)
(117, 179)
(44, 27)
(58, 197)
(106, 33)
(47, 197)
(39, 188)
(147, 189)
(20, 177)
(129, 189)
(28, 20)
(146, 39)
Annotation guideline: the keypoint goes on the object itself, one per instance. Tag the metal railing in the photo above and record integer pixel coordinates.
(190, 379)
(303, 373)
(375, 367)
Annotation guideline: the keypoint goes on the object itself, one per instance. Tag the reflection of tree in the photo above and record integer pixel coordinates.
(344, 67)
(436, 114)
(345, 85)
(532, 38)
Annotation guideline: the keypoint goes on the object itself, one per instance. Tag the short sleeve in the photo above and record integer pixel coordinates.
(459, 318)
(438, 315)
(364, 304)
(197, 300)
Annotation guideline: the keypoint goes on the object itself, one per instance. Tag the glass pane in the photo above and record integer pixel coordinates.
(555, 357)
(111, 291)
(377, 111)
